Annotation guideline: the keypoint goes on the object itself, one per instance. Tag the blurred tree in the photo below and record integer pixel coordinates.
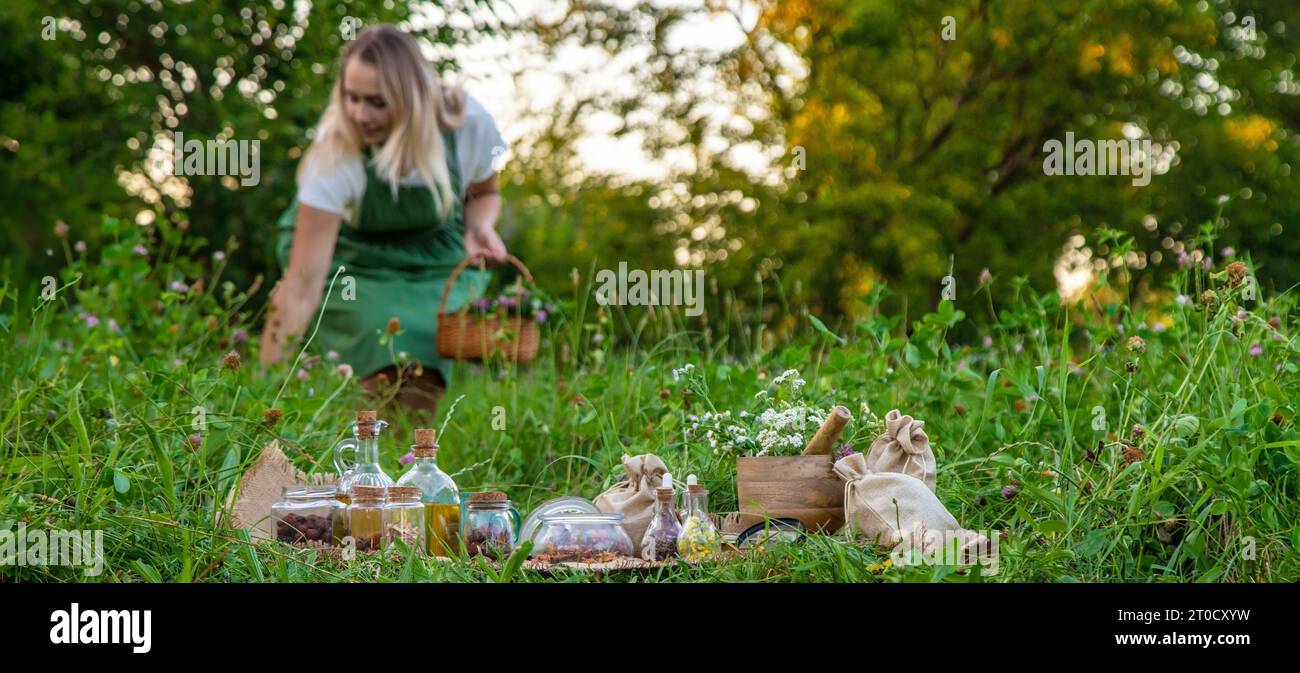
(899, 150)
(919, 148)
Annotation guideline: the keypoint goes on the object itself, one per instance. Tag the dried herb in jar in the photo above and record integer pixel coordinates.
(660, 541)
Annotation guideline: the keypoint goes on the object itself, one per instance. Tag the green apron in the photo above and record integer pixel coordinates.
(399, 254)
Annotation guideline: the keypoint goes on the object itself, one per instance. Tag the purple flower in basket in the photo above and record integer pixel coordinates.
(506, 302)
(482, 304)
(540, 316)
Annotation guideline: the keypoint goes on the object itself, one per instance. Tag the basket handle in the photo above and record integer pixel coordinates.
(451, 280)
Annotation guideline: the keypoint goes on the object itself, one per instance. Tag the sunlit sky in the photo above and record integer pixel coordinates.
(489, 66)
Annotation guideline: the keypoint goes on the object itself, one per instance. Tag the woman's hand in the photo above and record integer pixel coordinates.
(482, 207)
(286, 318)
(484, 242)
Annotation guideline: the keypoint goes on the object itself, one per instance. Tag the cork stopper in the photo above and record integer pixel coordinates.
(665, 490)
(695, 488)
(404, 494)
(488, 497)
(366, 424)
(426, 445)
(368, 494)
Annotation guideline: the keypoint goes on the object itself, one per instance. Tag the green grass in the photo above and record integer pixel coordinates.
(94, 422)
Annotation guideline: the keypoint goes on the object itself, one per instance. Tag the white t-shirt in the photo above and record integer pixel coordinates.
(339, 189)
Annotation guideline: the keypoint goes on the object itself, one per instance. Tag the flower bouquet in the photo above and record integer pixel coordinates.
(779, 471)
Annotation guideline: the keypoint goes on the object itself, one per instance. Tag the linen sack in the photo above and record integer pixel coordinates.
(634, 497)
(904, 448)
(884, 507)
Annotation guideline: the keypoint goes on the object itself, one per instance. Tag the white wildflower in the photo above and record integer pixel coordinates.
(791, 376)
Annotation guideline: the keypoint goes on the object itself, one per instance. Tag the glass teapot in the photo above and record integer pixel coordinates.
(364, 470)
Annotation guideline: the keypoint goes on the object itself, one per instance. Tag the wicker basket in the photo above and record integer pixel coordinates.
(462, 336)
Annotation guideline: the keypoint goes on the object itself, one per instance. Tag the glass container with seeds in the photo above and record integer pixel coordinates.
(366, 517)
(438, 493)
(404, 517)
(582, 538)
(309, 516)
(490, 525)
(660, 541)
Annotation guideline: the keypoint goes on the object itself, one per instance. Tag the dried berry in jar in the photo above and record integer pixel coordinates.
(488, 541)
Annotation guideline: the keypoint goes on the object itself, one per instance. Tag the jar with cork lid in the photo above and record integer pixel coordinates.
(364, 470)
(404, 517)
(308, 515)
(438, 494)
(366, 516)
(660, 541)
(490, 525)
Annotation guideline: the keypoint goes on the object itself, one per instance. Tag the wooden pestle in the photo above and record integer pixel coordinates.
(829, 433)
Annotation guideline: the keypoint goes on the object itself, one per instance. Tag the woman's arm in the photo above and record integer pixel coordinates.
(482, 208)
(296, 297)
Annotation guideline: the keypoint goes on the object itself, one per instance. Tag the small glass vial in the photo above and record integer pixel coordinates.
(699, 539)
(404, 517)
(366, 517)
(489, 525)
(660, 541)
(439, 494)
(309, 516)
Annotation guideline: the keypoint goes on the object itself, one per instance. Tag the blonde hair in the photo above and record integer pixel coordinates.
(422, 108)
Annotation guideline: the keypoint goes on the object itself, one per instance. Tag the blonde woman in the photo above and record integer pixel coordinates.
(398, 186)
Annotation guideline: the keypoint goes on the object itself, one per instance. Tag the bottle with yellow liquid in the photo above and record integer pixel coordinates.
(439, 494)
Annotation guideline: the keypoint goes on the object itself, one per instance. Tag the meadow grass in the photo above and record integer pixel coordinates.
(1140, 434)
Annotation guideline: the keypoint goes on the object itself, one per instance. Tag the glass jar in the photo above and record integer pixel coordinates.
(366, 517)
(404, 517)
(582, 538)
(699, 539)
(365, 471)
(490, 525)
(660, 542)
(439, 495)
(309, 516)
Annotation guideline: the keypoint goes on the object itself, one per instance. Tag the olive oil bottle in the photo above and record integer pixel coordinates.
(439, 494)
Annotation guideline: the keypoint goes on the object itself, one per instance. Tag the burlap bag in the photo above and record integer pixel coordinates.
(635, 496)
(903, 448)
(886, 506)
